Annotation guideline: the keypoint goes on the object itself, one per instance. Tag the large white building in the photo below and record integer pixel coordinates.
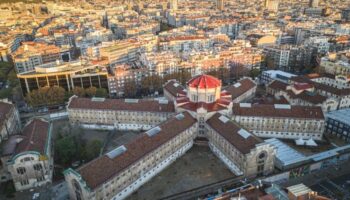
(201, 110)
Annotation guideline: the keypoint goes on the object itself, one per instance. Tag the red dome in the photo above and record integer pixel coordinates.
(204, 82)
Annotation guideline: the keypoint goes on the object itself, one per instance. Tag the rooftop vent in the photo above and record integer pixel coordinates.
(180, 116)
(223, 119)
(153, 131)
(131, 100)
(245, 105)
(98, 99)
(116, 152)
(282, 106)
(236, 85)
(245, 134)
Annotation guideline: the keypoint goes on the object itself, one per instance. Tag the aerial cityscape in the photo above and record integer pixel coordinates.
(175, 99)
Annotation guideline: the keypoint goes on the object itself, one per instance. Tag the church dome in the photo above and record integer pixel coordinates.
(204, 82)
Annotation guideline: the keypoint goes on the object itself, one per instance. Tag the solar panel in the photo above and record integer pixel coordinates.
(116, 152)
(245, 134)
(224, 119)
(153, 131)
(131, 100)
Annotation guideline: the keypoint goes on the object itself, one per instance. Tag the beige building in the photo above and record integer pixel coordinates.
(30, 161)
(242, 152)
(120, 172)
(202, 112)
(280, 121)
(124, 114)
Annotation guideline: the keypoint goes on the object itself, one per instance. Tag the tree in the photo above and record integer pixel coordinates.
(151, 83)
(101, 92)
(130, 89)
(65, 149)
(90, 92)
(46, 96)
(80, 92)
(93, 149)
(254, 73)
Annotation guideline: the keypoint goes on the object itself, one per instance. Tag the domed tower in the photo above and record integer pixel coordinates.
(204, 88)
(203, 99)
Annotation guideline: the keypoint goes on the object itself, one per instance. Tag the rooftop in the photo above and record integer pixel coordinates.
(94, 175)
(204, 82)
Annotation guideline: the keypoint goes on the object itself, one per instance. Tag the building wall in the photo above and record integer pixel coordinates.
(11, 124)
(339, 129)
(130, 179)
(30, 170)
(242, 164)
(119, 119)
(285, 128)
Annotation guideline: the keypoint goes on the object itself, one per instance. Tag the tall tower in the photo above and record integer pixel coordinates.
(173, 4)
(313, 3)
(220, 4)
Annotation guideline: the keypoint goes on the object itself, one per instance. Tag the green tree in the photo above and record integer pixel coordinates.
(254, 73)
(90, 92)
(151, 83)
(130, 89)
(93, 149)
(101, 92)
(46, 96)
(80, 92)
(65, 150)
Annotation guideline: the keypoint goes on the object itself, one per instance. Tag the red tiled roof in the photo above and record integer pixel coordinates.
(174, 88)
(210, 107)
(229, 131)
(120, 104)
(35, 136)
(264, 110)
(278, 85)
(104, 168)
(204, 82)
(302, 86)
(245, 85)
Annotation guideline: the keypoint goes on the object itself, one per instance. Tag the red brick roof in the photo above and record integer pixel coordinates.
(35, 136)
(174, 88)
(229, 131)
(264, 110)
(204, 82)
(104, 168)
(121, 104)
(245, 85)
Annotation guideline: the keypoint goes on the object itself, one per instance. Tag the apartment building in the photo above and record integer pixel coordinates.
(32, 54)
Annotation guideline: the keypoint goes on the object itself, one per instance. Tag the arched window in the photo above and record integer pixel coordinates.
(261, 158)
(77, 190)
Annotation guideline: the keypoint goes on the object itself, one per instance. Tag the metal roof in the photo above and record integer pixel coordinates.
(342, 115)
(286, 154)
